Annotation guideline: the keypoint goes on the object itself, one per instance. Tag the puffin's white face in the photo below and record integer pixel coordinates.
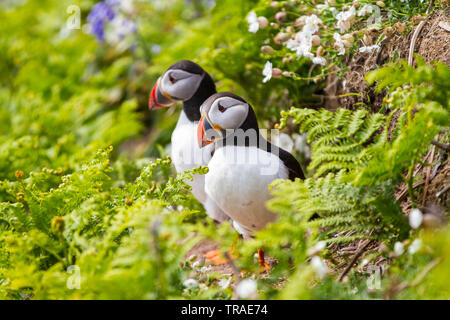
(174, 85)
(224, 113)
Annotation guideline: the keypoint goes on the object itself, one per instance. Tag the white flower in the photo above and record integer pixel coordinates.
(224, 283)
(284, 141)
(399, 248)
(203, 286)
(205, 269)
(369, 49)
(246, 288)
(346, 19)
(267, 71)
(312, 23)
(252, 20)
(319, 266)
(319, 60)
(319, 246)
(415, 218)
(338, 44)
(365, 10)
(364, 263)
(415, 246)
(190, 283)
(195, 265)
(302, 43)
(322, 7)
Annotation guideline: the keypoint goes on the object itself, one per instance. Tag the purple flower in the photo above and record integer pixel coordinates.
(101, 13)
(108, 21)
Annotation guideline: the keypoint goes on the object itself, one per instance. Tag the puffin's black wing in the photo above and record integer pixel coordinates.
(295, 171)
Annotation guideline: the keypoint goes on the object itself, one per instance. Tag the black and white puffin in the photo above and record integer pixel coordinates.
(244, 164)
(186, 81)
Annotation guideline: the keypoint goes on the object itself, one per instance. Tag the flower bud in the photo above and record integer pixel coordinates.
(263, 22)
(315, 40)
(380, 4)
(287, 59)
(285, 74)
(348, 37)
(274, 4)
(267, 50)
(346, 44)
(319, 51)
(290, 29)
(274, 25)
(367, 40)
(281, 37)
(280, 16)
(276, 73)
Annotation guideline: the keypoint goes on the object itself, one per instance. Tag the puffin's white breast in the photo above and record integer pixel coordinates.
(186, 154)
(238, 181)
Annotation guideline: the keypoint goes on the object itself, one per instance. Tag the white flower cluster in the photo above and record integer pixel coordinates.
(255, 22)
(303, 41)
(346, 19)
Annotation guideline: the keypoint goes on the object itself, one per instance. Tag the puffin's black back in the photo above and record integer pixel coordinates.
(295, 171)
(206, 88)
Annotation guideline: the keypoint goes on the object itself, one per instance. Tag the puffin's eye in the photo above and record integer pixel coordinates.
(221, 107)
(172, 79)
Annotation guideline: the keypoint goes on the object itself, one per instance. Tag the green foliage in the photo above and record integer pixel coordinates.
(358, 164)
(81, 219)
(340, 140)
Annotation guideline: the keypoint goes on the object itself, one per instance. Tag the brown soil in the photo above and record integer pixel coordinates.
(203, 247)
(433, 44)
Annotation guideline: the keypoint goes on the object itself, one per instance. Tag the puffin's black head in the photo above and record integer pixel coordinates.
(182, 81)
(224, 113)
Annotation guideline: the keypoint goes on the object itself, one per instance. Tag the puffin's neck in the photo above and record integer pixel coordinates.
(206, 89)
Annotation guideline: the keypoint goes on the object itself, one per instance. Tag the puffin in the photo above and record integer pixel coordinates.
(243, 165)
(185, 81)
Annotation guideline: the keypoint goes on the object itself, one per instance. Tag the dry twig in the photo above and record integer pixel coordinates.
(416, 35)
(441, 145)
(355, 258)
(427, 178)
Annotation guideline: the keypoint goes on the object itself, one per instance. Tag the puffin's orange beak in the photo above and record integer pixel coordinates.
(158, 99)
(201, 133)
